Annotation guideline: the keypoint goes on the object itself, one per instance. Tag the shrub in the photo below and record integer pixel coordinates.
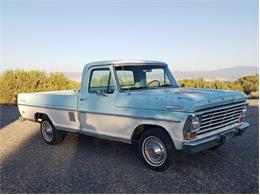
(19, 81)
(248, 84)
(254, 95)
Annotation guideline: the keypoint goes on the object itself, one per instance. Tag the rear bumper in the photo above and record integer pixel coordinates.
(213, 140)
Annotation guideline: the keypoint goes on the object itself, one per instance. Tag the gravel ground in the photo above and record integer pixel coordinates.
(83, 164)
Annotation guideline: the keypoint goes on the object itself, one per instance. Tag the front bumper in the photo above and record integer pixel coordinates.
(194, 146)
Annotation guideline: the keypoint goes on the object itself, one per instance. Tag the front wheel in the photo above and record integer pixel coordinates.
(49, 133)
(156, 149)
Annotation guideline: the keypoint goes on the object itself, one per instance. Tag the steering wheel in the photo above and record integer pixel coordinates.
(158, 82)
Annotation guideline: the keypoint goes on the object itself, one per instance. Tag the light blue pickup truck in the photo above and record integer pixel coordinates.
(139, 102)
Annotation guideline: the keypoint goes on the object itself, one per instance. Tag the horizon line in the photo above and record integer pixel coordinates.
(217, 69)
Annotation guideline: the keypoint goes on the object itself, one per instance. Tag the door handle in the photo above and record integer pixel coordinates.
(82, 99)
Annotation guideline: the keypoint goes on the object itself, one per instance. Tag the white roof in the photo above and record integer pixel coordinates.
(120, 62)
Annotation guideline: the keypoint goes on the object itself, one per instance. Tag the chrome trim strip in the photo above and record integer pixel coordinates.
(49, 107)
(235, 109)
(217, 127)
(216, 117)
(195, 142)
(222, 116)
(130, 116)
(211, 121)
(153, 109)
(244, 125)
(200, 141)
(220, 120)
(220, 108)
(215, 124)
(110, 114)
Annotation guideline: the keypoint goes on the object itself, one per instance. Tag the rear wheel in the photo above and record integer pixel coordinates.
(156, 149)
(49, 133)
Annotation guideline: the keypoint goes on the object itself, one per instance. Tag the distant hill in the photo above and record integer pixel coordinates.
(227, 74)
(76, 76)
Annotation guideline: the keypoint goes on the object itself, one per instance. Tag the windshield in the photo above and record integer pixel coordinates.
(144, 77)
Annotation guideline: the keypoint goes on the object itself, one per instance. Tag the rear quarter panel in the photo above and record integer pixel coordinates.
(56, 105)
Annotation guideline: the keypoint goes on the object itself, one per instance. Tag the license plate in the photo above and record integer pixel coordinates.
(228, 135)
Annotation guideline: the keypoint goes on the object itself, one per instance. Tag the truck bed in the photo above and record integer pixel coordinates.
(66, 99)
(60, 106)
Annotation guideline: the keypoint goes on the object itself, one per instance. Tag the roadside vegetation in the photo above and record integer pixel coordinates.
(13, 82)
(249, 85)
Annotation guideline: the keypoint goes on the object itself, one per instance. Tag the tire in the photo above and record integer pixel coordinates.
(49, 133)
(152, 140)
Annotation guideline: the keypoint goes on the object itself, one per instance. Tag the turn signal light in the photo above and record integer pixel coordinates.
(191, 135)
(241, 118)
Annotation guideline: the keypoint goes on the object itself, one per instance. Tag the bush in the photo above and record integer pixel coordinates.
(254, 95)
(19, 81)
(248, 84)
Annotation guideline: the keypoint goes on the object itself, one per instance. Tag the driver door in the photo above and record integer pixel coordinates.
(97, 102)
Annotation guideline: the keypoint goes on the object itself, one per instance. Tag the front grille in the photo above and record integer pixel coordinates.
(219, 117)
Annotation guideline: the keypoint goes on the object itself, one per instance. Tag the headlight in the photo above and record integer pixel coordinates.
(191, 126)
(244, 110)
(195, 122)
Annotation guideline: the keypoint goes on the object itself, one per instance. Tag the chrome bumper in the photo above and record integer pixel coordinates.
(195, 146)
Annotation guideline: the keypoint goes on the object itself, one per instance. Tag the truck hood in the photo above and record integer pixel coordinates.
(178, 99)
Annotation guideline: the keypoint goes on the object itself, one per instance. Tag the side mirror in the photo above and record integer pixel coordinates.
(101, 93)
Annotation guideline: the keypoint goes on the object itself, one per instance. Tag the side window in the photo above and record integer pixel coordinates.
(125, 78)
(101, 80)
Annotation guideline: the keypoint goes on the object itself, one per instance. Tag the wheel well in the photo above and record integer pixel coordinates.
(38, 116)
(139, 130)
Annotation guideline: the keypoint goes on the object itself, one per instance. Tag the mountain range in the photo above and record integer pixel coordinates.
(226, 74)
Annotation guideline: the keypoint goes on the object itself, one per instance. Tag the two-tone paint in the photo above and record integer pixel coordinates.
(116, 116)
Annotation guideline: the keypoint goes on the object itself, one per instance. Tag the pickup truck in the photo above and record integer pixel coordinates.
(139, 102)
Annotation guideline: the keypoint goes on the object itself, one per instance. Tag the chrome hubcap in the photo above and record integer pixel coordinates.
(47, 131)
(154, 151)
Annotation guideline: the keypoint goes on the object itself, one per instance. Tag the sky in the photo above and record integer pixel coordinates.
(64, 35)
